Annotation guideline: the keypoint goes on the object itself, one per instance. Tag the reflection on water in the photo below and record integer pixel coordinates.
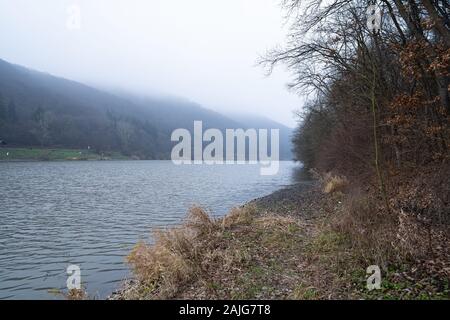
(54, 214)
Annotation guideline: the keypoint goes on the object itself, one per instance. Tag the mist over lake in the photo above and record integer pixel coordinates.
(55, 214)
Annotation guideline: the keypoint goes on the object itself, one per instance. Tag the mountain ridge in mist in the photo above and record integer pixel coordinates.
(39, 109)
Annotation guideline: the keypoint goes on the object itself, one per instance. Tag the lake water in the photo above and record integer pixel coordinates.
(54, 214)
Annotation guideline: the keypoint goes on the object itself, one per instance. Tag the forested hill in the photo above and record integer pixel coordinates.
(38, 109)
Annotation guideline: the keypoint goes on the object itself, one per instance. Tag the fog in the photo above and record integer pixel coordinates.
(202, 50)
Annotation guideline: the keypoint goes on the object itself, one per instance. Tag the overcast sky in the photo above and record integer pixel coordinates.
(202, 50)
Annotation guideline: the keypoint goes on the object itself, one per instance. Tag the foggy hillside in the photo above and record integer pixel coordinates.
(41, 110)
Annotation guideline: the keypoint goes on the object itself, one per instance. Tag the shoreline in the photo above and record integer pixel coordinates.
(36, 154)
(293, 200)
(268, 202)
(289, 244)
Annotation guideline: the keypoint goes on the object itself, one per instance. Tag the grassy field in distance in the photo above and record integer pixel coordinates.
(55, 154)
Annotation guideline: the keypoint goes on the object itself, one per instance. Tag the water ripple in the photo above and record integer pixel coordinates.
(54, 214)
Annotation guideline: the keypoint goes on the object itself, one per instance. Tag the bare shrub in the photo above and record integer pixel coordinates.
(379, 237)
(370, 231)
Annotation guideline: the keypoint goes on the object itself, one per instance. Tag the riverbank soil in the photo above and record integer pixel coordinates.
(313, 240)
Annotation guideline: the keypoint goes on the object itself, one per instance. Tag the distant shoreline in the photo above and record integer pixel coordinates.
(23, 154)
(36, 154)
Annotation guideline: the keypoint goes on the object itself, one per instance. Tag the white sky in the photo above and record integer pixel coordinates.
(202, 50)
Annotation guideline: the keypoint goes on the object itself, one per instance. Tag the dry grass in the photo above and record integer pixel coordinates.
(246, 255)
(242, 255)
(76, 294)
(334, 183)
(165, 266)
(370, 231)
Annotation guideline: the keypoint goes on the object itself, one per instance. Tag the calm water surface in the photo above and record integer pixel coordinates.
(54, 214)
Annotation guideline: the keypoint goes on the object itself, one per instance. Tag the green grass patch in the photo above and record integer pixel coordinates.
(56, 154)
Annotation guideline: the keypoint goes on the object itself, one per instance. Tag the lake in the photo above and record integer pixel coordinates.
(91, 214)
